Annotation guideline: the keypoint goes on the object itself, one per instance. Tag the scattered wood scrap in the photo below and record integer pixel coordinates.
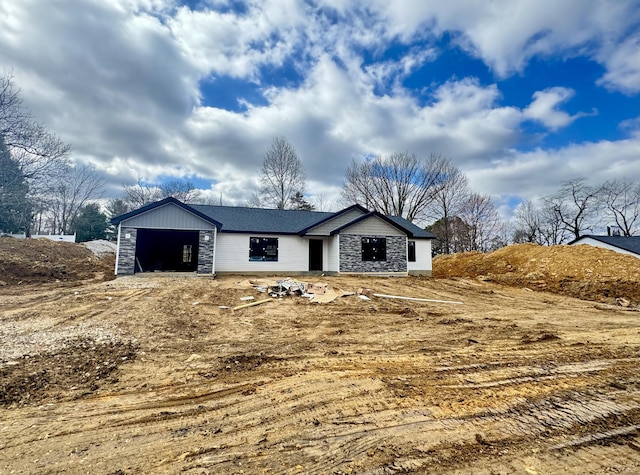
(417, 299)
(258, 302)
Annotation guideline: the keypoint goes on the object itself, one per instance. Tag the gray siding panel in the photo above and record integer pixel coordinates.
(373, 226)
(168, 216)
(325, 229)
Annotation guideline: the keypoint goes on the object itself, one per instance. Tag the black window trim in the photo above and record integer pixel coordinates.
(411, 251)
(263, 249)
(373, 249)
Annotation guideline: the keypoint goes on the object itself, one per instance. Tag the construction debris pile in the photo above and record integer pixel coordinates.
(316, 292)
(584, 272)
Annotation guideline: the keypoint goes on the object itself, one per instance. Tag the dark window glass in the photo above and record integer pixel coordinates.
(263, 249)
(374, 249)
(411, 254)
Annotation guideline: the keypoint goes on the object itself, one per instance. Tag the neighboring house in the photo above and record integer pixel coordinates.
(622, 244)
(173, 236)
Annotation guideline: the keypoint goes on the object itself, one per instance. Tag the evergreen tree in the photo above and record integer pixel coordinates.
(91, 223)
(15, 207)
(300, 203)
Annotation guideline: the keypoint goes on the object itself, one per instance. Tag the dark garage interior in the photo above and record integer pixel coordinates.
(166, 250)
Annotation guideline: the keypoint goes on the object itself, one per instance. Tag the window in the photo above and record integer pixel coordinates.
(187, 253)
(263, 249)
(411, 251)
(374, 249)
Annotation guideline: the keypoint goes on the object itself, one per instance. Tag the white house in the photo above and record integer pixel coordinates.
(169, 235)
(622, 244)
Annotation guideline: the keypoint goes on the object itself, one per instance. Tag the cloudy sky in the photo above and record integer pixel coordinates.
(520, 94)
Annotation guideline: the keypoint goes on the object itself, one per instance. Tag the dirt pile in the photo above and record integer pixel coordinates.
(584, 272)
(35, 261)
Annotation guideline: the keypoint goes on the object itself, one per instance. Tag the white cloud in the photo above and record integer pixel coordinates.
(225, 43)
(506, 34)
(623, 66)
(540, 172)
(544, 108)
(119, 80)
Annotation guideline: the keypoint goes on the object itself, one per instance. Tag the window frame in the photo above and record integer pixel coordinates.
(411, 251)
(373, 249)
(263, 249)
(187, 253)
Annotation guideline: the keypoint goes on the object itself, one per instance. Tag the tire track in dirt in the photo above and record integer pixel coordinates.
(347, 388)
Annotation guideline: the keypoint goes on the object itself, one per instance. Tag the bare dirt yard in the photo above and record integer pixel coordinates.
(149, 375)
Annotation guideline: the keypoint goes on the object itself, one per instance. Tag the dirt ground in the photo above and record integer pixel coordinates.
(149, 375)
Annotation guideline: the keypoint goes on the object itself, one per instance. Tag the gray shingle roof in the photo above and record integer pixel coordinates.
(241, 219)
(238, 219)
(628, 243)
(415, 230)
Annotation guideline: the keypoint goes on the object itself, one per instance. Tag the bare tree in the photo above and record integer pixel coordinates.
(527, 223)
(116, 207)
(38, 153)
(281, 176)
(140, 194)
(400, 184)
(622, 200)
(448, 201)
(483, 222)
(552, 230)
(71, 193)
(183, 190)
(576, 206)
(36, 149)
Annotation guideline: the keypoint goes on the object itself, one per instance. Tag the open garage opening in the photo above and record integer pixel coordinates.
(164, 250)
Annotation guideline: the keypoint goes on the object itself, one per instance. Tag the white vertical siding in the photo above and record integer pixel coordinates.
(232, 254)
(423, 256)
(333, 254)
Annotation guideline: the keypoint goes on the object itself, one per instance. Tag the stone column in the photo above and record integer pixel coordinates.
(127, 251)
(206, 243)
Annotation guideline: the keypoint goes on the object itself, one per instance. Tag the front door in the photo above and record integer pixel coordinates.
(315, 254)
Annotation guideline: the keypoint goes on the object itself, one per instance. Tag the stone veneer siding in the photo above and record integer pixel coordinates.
(351, 255)
(127, 251)
(205, 252)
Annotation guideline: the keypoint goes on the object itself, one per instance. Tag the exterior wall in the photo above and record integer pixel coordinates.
(333, 254)
(325, 228)
(206, 252)
(169, 216)
(232, 254)
(351, 255)
(126, 251)
(596, 243)
(423, 263)
(373, 226)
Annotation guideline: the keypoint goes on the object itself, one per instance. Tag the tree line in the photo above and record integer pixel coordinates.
(434, 192)
(578, 208)
(41, 190)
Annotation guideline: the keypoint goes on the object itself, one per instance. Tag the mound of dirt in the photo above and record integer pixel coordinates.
(585, 272)
(35, 261)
